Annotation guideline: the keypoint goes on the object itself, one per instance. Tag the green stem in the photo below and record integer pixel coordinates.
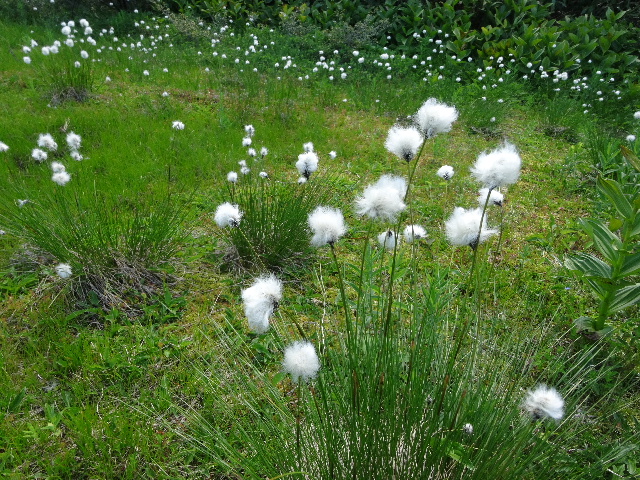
(343, 294)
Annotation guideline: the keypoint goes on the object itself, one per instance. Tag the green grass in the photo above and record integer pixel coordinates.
(77, 389)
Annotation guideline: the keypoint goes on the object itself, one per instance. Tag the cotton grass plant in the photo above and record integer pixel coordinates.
(405, 386)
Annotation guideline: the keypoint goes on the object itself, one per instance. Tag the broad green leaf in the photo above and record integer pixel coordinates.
(588, 264)
(631, 157)
(605, 241)
(625, 297)
(16, 401)
(584, 324)
(631, 265)
(611, 189)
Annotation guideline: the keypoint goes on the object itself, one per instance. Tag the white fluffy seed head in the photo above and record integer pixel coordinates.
(307, 164)
(177, 125)
(413, 233)
(544, 402)
(495, 197)
(384, 199)
(61, 178)
(227, 215)
(39, 155)
(45, 140)
(388, 240)
(434, 117)
(232, 177)
(463, 226)
(301, 361)
(63, 270)
(445, 172)
(403, 142)
(327, 225)
(260, 301)
(3, 147)
(57, 167)
(499, 167)
(73, 141)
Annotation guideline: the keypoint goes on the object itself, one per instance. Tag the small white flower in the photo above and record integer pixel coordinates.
(434, 117)
(498, 167)
(76, 155)
(246, 141)
(39, 155)
(69, 42)
(57, 167)
(631, 138)
(260, 300)
(66, 30)
(413, 233)
(249, 130)
(404, 142)
(301, 361)
(61, 178)
(77, 64)
(46, 51)
(177, 125)
(263, 175)
(308, 147)
(227, 215)
(467, 428)
(3, 147)
(384, 199)
(307, 163)
(63, 270)
(145, 73)
(84, 54)
(463, 227)
(252, 152)
(636, 115)
(107, 79)
(327, 225)
(45, 140)
(302, 180)
(388, 240)
(264, 151)
(245, 170)
(73, 141)
(332, 154)
(445, 172)
(495, 197)
(232, 177)
(544, 402)
(22, 203)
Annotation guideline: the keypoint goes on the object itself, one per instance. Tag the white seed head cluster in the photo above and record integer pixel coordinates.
(227, 215)
(404, 142)
(499, 167)
(327, 225)
(463, 227)
(434, 117)
(301, 361)
(260, 301)
(384, 199)
(544, 402)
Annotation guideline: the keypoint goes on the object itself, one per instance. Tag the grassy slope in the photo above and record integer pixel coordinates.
(78, 417)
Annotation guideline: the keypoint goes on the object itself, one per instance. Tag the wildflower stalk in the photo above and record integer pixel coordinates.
(343, 294)
(365, 246)
(475, 246)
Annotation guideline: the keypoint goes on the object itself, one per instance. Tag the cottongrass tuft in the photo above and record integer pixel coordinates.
(249, 130)
(39, 155)
(177, 125)
(307, 163)
(73, 141)
(384, 199)
(308, 147)
(45, 140)
(57, 167)
(227, 215)
(260, 300)
(404, 142)
(264, 151)
(445, 172)
(499, 167)
(61, 178)
(495, 197)
(463, 226)
(413, 233)
(631, 138)
(332, 154)
(435, 117)
(246, 141)
(3, 147)
(327, 225)
(301, 361)
(232, 177)
(544, 402)
(388, 240)
(63, 270)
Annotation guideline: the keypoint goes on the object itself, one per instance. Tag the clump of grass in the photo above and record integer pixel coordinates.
(117, 252)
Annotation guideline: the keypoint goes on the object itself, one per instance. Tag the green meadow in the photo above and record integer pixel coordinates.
(135, 359)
